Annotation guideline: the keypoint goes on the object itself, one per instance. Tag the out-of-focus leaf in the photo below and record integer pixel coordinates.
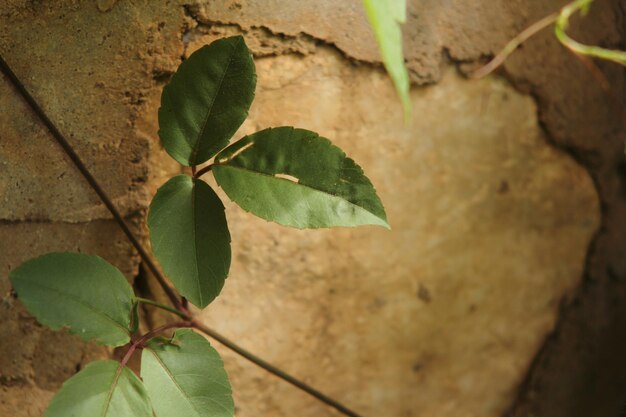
(386, 17)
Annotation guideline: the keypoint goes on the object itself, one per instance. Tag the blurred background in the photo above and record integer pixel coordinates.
(501, 288)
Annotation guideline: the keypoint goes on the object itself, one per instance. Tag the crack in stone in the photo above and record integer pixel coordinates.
(266, 32)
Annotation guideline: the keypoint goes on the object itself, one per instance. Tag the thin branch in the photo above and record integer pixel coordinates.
(61, 140)
(4, 67)
(562, 22)
(164, 307)
(203, 171)
(275, 371)
(513, 44)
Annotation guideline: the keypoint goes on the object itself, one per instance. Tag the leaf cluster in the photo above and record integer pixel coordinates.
(286, 175)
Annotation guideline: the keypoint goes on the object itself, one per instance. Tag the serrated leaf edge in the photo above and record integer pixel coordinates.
(383, 222)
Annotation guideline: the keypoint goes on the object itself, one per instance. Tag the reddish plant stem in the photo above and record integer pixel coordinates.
(203, 171)
(139, 343)
(80, 165)
(513, 44)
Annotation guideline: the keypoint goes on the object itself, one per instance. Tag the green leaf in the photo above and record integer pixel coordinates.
(190, 238)
(82, 292)
(186, 377)
(102, 389)
(207, 100)
(385, 16)
(296, 178)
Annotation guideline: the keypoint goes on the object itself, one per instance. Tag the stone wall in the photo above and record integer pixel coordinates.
(500, 289)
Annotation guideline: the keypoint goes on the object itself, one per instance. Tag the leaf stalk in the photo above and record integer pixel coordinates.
(203, 171)
(179, 313)
(139, 343)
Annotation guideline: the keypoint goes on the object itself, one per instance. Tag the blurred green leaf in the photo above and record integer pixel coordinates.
(207, 100)
(82, 292)
(386, 17)
(190, 238)
(297, 178)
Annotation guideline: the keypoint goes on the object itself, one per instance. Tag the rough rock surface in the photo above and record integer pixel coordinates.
(442, 316)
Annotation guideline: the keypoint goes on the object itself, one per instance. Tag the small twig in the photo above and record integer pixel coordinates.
(562, 22)
(203, 171)
(513, 44)
(179, 313)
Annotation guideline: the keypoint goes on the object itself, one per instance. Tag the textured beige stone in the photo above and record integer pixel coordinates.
(442, 315)
(23, 401)
(439, 317)
(90, 79)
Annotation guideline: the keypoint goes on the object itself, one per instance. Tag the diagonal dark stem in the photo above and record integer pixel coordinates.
(275, 371)
(61, 140)
(4, 67)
